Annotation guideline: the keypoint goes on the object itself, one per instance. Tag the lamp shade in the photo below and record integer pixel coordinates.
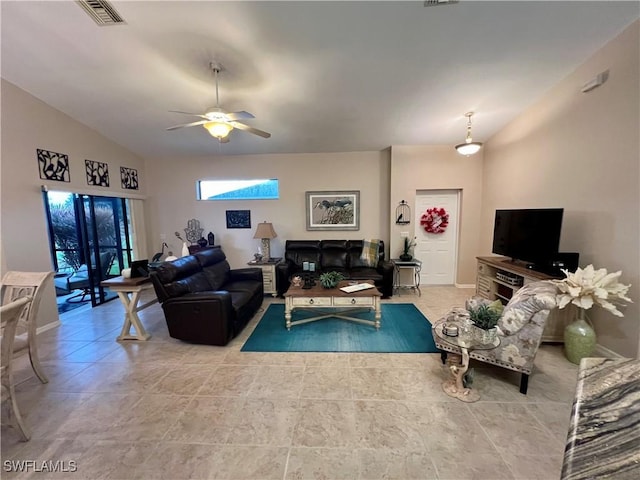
(265, 230)
(218, 129)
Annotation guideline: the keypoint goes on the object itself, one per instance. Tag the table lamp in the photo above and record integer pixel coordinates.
(265, 232)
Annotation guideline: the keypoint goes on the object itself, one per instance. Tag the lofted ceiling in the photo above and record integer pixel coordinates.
(319, 76)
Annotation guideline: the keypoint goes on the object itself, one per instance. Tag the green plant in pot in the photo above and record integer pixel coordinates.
(330, 279)
(406, 249)
(485, 319)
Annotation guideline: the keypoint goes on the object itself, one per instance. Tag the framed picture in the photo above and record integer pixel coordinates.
(53, 165)
(97, 173)
(238, 218)
(333, 210)
(129, 178)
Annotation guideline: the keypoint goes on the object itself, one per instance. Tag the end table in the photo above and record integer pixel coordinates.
(268, 273)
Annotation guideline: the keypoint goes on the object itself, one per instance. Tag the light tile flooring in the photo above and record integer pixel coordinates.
(168, 409)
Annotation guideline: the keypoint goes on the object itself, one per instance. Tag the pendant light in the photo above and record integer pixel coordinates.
(469, 147)
(218, 128)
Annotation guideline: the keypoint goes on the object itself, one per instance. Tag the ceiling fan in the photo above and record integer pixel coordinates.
(218, 122)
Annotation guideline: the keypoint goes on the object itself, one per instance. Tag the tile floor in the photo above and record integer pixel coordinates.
(167, 409)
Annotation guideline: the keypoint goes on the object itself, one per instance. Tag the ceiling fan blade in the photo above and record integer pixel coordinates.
(188, 113)
(239, 115)
(192, 124)
(247, 128)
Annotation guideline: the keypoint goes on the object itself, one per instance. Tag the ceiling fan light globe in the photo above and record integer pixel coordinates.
(217, 129)
(468, 148)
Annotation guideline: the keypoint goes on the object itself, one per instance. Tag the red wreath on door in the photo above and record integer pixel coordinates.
(435, 220)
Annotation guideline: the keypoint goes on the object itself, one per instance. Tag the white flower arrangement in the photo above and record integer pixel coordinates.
(589, 286)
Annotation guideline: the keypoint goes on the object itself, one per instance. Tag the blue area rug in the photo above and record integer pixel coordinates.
(403, 330)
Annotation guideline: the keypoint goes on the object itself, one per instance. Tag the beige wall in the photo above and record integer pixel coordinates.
(580, 151)
(172, 197)
(29, 124)
(440, 167)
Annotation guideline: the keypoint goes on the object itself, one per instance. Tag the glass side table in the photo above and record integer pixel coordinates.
(460, 346)
(414, 266)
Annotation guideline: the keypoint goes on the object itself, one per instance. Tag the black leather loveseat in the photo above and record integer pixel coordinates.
(204, 300)
(333, 255)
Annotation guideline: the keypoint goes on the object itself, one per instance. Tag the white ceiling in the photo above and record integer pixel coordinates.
(319, 76)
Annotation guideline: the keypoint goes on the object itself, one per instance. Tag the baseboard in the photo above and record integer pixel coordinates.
(464, 285)
(601, 351)
(48, 326)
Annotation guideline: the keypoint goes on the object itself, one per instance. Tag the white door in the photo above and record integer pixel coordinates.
(437, 251)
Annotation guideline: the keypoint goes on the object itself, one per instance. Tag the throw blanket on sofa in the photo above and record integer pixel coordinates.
(370, 249)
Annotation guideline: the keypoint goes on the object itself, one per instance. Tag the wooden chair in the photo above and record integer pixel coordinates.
(21, 284)
(10, 316)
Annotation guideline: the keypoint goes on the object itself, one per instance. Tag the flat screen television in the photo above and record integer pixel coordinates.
(530, 235)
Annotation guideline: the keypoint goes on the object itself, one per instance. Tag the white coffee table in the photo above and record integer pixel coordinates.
(332, 302)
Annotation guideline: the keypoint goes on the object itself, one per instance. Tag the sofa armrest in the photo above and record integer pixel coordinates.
(203, 317)
(284, 270)
(386, 269)
(251, 273)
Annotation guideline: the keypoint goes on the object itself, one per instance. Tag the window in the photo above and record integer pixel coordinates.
(260, 189)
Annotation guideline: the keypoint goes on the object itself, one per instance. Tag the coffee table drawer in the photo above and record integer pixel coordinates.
(311, 302)
(368, 301)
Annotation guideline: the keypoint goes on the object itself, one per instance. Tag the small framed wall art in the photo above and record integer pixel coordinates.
(53, 166)
(238, 218)
(333, 210)
(97, 173)
(129, 178)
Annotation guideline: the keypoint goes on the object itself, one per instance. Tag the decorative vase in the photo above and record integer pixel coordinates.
(405, 257)
(484, 336)
(185, 249)
(579, 338)
(202, 242)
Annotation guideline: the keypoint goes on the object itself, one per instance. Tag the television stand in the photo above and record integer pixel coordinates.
(500, 277)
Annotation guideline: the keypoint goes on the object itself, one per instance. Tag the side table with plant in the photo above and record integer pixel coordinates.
(584, 289)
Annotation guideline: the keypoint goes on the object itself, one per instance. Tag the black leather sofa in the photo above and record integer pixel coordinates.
(333, 255)
(204, 300)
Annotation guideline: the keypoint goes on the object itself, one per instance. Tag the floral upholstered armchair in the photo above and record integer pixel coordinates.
(520, 329)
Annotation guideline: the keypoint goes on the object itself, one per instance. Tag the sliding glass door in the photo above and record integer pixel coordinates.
(90, 241)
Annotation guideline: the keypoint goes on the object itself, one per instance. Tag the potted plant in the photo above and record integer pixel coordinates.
(330, 279)
(584, 289)
(485, 319)
(406, 249)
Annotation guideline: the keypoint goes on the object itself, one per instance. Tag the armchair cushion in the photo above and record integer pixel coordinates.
(525, 303)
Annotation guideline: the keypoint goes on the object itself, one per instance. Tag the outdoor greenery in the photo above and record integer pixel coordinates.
(66, 235)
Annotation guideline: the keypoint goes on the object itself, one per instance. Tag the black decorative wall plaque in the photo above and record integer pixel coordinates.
(97, 173)
(53, 166)
(238, 218)
(129, 178)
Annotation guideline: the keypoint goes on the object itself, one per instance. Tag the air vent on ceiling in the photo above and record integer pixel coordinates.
(101, 11)
(433, 3)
